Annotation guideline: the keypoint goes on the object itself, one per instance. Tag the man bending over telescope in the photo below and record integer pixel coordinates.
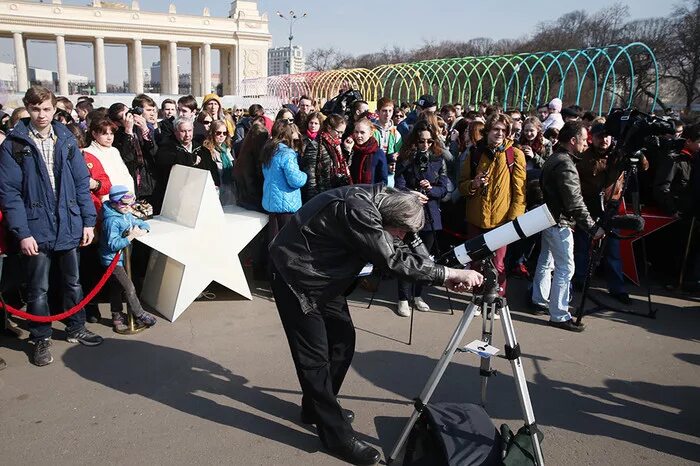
(316, 257)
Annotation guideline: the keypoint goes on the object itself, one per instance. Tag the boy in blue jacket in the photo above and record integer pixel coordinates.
(119, 228)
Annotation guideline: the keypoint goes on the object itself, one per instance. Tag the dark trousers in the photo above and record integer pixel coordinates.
(322, 343)
(37, 269)
(121, 284)
(611, 257)
(407, 289)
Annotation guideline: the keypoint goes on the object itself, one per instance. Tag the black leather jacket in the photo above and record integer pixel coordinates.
(561, 188)
(330, 239)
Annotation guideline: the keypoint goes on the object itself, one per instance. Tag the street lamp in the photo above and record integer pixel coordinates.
(293, 18)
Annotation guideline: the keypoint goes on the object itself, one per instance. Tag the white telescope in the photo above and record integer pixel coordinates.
(482, 246)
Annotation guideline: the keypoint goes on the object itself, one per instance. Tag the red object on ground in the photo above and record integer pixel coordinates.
(654, 219)
(74, 309)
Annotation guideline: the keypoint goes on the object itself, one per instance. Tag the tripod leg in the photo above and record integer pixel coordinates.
(513, 354)
(436, 375)
(593, 262)
(488, 312)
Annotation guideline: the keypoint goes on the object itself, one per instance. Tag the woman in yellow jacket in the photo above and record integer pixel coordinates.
(493, 181)
(211, 104)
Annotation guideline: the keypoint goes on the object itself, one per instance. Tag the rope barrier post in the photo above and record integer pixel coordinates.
(133, 327)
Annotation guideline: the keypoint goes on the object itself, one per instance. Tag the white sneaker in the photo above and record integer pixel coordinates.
(403, 309)
(477, 313)
(421, 305)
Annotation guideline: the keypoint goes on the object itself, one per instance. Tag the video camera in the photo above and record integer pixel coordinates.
(342, 103)
(636, 131)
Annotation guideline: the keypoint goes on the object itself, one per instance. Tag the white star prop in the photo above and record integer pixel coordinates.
(197, 241)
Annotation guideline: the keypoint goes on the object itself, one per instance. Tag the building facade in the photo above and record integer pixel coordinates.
(278, 60)
(242, 39)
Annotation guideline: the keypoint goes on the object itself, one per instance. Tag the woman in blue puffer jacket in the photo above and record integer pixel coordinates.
(283, 178)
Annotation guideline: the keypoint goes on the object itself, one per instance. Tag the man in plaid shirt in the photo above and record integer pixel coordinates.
(45, 197)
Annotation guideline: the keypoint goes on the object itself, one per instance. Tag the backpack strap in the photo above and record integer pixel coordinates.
(20, 151)
(510, 159)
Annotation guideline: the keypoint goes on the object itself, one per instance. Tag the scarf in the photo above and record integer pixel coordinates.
(361, 167)
(225, 157)
(340, 165)
(312, 135)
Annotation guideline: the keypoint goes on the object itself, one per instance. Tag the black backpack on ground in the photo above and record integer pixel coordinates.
(452, 434)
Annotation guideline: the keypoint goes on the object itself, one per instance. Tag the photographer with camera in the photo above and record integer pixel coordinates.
(561, 188)
(672, 189)
(421, 167)
(600, 181)
(136, 149)
(316, 257)
(493, 181)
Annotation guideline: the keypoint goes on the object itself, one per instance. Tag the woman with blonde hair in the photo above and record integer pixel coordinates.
(215, 155)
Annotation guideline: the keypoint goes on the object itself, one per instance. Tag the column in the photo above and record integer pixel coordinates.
(62, 65)
(196, 70)
(164, 70)
(206, 69)
(233, 70)
(224, 71)
(130, 66)
(100, 69)
(174, 78)
(138, 66)
(20, 63)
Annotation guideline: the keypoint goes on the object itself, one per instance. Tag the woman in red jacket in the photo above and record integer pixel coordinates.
(89, 264)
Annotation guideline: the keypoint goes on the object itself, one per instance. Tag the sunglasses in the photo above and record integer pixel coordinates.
(221, 133)
(288, 120)
(425, 141)
(206, 122)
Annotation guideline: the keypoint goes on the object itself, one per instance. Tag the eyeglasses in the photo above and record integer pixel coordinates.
(207, 122)
(425, 141)
(221, 133)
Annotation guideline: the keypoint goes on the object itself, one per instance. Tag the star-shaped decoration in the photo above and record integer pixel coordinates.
(197, 242)
(654, 219)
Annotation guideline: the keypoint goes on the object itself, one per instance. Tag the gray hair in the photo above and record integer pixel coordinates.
(181, 121)
(400, 209)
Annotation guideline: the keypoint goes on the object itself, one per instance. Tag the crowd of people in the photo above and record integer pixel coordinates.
(478, 168)
(78, 184)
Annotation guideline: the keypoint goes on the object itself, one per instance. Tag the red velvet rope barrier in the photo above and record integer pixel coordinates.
(74, 309)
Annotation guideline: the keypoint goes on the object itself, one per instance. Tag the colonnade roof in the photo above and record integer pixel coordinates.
(41, 20)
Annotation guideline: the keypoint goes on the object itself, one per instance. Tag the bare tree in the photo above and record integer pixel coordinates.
(323, 59)
(684, 51)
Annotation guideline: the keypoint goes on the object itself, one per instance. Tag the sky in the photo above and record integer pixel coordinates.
(354, 27)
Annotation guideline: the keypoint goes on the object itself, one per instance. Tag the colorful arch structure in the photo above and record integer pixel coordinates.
(596, 78)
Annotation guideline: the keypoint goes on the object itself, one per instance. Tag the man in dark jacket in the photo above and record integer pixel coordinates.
(426, 103)
(315, 258)
(45, 196)
(561, 188)
(672, 189)
(598, 178)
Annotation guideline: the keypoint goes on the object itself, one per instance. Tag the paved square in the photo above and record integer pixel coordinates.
(218, 386)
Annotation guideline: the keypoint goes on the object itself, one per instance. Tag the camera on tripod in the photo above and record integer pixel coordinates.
(637, 132)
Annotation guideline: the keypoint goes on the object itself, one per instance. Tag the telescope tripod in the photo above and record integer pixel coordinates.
(489, 303)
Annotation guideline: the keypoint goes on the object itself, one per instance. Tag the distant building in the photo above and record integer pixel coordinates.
(278, 61)
(48, 78)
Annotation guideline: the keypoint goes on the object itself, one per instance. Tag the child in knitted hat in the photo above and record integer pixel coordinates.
(119, 228)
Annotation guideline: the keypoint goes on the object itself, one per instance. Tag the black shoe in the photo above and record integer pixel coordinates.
(624, 298)
(357, 452)
(42, 355)
(569, 325)
(85, 337)
(537, 310)
(92, 314)
(307, 418)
